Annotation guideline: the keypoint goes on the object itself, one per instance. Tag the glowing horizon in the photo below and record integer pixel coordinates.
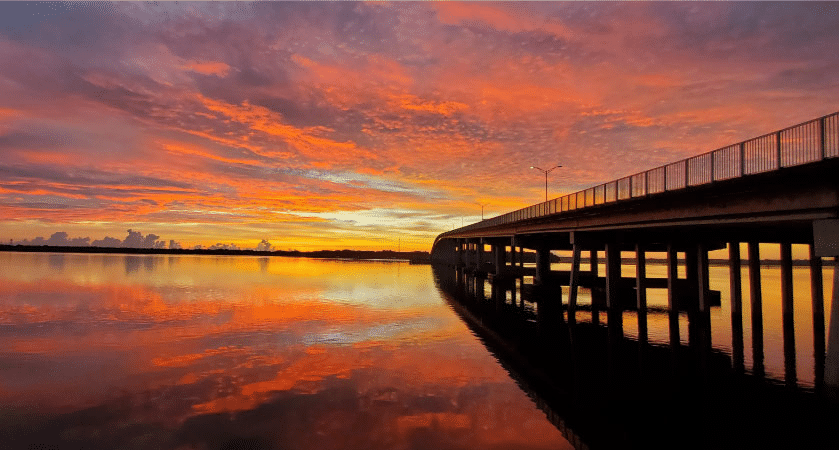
(374, 126)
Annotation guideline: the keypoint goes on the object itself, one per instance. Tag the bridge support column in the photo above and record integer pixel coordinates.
(757, 309)
(573, 282)
(500, 259)
(702, 325)
(790, 377)
(613, 276)
(736, 307)
(672, 298)
(467, 255)
(460, 252)
(831, 375)
(641, 292)
(480, 255)
(513, 251)
(817, 294)
(543, 265)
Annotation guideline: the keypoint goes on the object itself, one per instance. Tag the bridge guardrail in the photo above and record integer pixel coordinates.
(807, 142)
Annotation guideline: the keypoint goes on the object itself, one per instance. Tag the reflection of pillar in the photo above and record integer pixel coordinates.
(573, 282)
(641, 292)
(513, 291)
(499, 295)
(787, 311)
(757, 308)
(817, 294)
(831, 364)
(461, 287)
(736, 307)
(543, 264)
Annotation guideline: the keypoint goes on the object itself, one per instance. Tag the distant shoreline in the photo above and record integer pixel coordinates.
(416, 257)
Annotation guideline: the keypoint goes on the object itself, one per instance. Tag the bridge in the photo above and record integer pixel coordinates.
(781, 188)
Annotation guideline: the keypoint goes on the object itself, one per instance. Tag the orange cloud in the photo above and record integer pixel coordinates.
(216, 68)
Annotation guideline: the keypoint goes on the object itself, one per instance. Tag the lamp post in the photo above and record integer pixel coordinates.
(482, 210)
(546, 172)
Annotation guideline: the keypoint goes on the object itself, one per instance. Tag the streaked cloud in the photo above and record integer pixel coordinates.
(293, 118)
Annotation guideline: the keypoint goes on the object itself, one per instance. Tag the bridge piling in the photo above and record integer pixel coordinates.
(757, 308)
(500, 259)
(573, 282)
(736, 298)
(672, 300)
(817, 296)
(831, 373)
(641, 291)
(788, 319)
(543, 265)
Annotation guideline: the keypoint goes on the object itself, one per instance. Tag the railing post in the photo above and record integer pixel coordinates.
(647, 183)
(713, 158)
(630, 186)
(742, 158)
(665, 179)
(822, 139)
(778, 147)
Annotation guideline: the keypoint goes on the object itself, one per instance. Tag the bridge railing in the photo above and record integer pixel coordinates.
(811, 141)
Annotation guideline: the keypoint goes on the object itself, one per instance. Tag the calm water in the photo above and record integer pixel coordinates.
(117, 351)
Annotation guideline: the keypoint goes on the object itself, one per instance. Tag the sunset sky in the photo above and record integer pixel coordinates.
(374, 125)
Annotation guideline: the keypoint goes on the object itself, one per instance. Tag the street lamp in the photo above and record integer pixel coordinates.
(482, 209)
(546, 172)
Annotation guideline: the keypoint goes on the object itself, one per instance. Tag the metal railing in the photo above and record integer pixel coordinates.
(811, 141)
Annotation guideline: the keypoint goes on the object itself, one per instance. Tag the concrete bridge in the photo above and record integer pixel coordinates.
(781, 188)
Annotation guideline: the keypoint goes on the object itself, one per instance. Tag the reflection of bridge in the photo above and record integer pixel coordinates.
(604, 390)
(781, 188)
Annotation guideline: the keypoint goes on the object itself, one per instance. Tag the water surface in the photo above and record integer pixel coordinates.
(127, 351)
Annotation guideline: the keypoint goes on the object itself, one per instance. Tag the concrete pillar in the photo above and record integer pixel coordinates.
(702, 284)
(831, 372)
(692, 276)
(500, 259)
(757, 308)
(613, 274)
(460, 253)
(479, 258)
(672, 299)
(641, 292)
(574, 281)
(467, 255)
(817, 295)
(737, 356)
(614, 309)
(593, 263)
(513, 251)
(790, 377)
(543, 264)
